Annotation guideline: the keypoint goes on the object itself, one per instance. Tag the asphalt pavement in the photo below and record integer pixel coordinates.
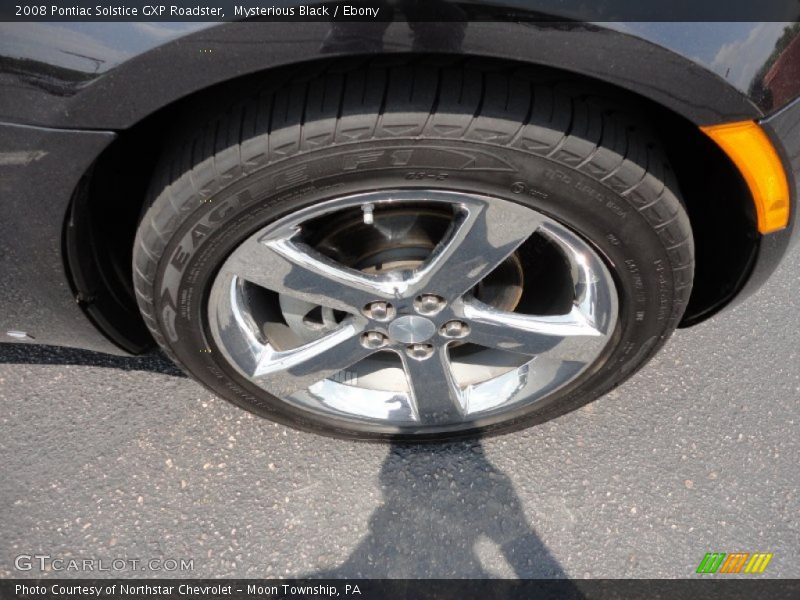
(115, 459)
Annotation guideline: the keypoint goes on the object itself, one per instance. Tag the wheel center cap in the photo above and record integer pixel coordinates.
(411, 329)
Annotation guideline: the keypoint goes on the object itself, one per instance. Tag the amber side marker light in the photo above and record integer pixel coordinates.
(749, 148)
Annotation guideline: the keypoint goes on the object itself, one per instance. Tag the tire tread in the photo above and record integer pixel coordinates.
(600, 135)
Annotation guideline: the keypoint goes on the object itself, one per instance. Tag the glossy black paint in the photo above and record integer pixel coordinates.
(784, 129)
(111, 75)
(39, 169)
(66, 88)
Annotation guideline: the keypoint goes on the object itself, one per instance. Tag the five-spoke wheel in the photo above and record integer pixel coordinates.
(420, 250)
(463, 360)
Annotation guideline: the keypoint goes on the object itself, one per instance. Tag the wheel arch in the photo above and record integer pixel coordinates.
(99, 238)
(146, 67)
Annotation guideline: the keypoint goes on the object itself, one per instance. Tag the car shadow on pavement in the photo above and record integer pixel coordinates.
(36, 354)
(448, 512)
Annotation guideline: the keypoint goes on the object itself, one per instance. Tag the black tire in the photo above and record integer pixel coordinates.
(578, 156)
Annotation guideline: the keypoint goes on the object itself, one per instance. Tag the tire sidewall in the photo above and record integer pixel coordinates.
(246, 202)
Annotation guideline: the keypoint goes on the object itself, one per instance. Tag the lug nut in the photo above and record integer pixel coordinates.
(379, 311)
(428, 304)
(419, 351)
(373, 340)
(454, 329)
(369, 213)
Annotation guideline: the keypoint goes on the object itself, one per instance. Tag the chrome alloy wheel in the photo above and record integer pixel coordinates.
(411, 338)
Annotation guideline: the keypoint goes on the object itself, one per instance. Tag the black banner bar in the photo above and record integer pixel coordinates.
(405, 10)
(710, 588)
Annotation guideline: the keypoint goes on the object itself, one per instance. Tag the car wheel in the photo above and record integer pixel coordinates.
(411, 251)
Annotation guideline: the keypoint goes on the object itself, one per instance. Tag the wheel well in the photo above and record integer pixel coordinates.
(108, 204)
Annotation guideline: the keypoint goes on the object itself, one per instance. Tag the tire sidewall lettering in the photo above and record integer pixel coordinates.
(244, 205)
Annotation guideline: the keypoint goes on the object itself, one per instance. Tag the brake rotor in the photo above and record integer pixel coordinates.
(398, 239)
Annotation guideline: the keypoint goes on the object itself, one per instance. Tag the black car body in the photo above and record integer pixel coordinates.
(84, 108)
(73, 94)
